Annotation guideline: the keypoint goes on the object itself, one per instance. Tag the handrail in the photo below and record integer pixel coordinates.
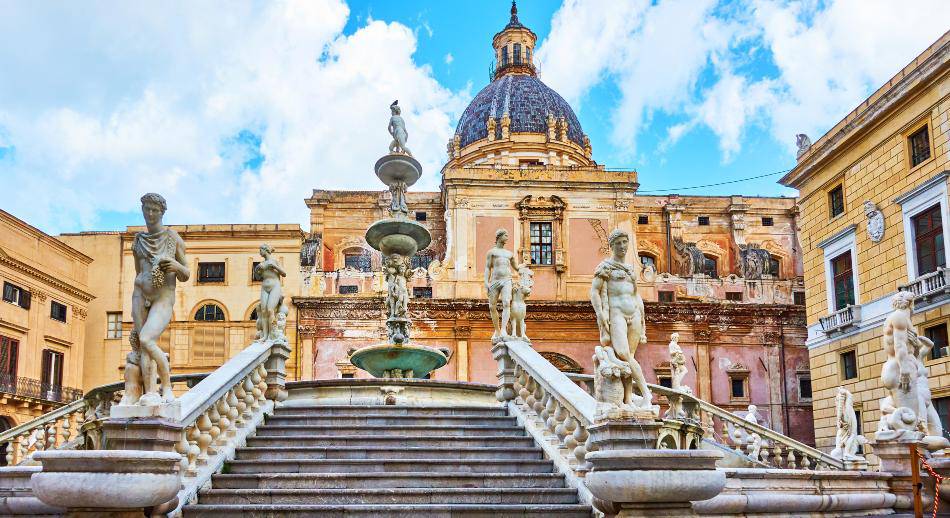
(577, 400)
(216, 384)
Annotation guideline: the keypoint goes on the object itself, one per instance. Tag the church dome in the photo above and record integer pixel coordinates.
(526, 100)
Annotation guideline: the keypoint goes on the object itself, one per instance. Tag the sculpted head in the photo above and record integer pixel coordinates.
(903, 300)
(394, 108)
(619, 242)
(153, 208)
(675, 337)
(266, 250)
(501, 237)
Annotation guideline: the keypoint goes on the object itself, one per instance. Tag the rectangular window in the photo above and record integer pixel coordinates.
(9, 349)
(919, 143)
(767, 221)
(16, 295)
(836, 201)
(643, 220)
(420, 216)
(737, 387)
(704, 221)
(665, 296)
(665, 381)
(849, 365)
(57, 311)
(51, 382)
(804, 388)
(346, 375)
(711, 267)
(942, 404)
(938, 335)
(211, 272)
(517, 52)
(114, 325)
(860, 429)
(542, 243)
(255, 274)
(775, 266)
(843, 280)
(504, 56)
(360, 262)
(349, 290)
(735, 296)
(928, 240)
(799, 298)
(422, 292)
(420, 261)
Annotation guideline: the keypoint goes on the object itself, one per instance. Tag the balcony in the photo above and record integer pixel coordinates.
(841, 319)
(31, 388)
(929, 288)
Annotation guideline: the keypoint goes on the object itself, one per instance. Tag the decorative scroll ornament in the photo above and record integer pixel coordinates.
(875, 225)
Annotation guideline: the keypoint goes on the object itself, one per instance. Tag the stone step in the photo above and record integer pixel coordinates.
(391, 420)
(388, 452)
(378, 430)
(391, 465)
(388, 511)
(405, 441)
(533, 495)
(358, 410)
(385, 480)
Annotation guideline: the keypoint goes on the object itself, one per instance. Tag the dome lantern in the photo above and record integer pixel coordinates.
(514, 47)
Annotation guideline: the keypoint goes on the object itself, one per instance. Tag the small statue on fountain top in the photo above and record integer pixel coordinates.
(397, 128)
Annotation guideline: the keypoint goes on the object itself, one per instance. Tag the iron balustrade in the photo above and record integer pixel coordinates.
(31, 388)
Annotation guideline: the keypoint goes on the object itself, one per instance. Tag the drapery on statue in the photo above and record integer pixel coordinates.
(847, 439)
(907, 412)
(272, 297)
(620, 318)
(519, 307)
(499, 265)
(397, 128)
(159, 255)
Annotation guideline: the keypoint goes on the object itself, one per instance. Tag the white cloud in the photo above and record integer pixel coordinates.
(449, 58)
(154, 97)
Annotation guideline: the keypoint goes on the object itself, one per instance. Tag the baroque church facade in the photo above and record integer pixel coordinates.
(724, 272)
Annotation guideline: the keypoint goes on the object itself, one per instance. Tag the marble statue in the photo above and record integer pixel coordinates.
(159, 255)
(752, 415)
(519, 308)
(803, 143)
(875, 224)
(755, 445)
(620, 319)
(398, 205)
(847, 439)
(677, 372)
(397, 128)
(499, 265)
(272, 297)
(397, 271)
(754, 262)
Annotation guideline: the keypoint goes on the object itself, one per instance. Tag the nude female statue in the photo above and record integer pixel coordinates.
(159, 255)
(272, 296)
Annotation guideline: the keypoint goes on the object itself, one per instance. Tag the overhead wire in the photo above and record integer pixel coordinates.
(715, 184)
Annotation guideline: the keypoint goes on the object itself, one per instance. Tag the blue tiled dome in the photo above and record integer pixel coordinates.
(528, 102)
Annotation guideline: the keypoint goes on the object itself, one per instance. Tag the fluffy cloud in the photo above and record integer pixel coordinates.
(789, 67)
(233, 114)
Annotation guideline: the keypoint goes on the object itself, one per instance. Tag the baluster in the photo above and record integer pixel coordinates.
(11, 450)
(22, 448)
(215, 430)
(204, 439)
(580, 438)
(549, 408)
(65, 429)
(529, 397)
(194, 436)
(233, 413)
(806, 462)
(256, 390)
(791, 459)
(538, 398)
(568, 426)
(182, 447)
(248, 399)
(560, 418)
(523, 392)
(262, 384)
(51, 435)
(241, 404)
(224, 423)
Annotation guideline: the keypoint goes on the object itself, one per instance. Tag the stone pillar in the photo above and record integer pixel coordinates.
(276, 366)
(896, 459)
(506, 372)
(463, 332)
(703, 374)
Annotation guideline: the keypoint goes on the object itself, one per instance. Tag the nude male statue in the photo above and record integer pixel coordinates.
(397, 128)
(159, 255)
(499, 265)
(620, 315)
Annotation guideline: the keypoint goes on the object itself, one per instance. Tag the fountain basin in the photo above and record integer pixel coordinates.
(380, 359)
(398, 167)
(397, 236)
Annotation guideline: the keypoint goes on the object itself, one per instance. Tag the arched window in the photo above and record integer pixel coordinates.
(711, 267)
(775, 265)
(504, 56)
(253, 317)
(209, 313)
(517, 53)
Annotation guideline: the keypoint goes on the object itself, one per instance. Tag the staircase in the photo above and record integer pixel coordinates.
(359, 460)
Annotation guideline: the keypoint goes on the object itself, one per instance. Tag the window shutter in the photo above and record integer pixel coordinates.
(25, 299)
(47, 356)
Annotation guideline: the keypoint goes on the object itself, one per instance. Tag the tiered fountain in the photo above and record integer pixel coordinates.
(398, 238)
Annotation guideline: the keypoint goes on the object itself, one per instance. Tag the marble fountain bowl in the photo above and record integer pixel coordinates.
(382, 358)
(397, 236)
(396, 167)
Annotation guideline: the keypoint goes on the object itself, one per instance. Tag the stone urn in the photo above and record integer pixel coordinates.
(117, 482)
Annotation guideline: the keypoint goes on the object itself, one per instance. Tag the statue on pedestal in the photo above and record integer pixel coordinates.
(499, 265)
(397, 271)
(397, 128)
(907, 412)
(272, 297)
(847, 440)
(677, 372)
(519, 306)
(620, 318)
(159, 255)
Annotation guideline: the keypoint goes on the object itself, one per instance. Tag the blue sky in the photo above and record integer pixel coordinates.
(235, 111)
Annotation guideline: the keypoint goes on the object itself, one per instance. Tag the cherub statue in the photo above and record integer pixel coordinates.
(519, 308)
(397, 128)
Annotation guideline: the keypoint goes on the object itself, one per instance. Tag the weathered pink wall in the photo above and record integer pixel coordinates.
(485, 228)
(584, 247)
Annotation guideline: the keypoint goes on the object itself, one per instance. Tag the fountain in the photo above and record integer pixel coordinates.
(398, 238)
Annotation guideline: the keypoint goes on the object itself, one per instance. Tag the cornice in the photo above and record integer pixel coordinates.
(36, 273)
(44, 237)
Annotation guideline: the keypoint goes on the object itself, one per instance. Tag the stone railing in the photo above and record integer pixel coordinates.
(73, 426)
(844, 317)
(929, 286)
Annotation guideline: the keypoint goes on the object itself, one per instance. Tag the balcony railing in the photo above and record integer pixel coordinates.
(844, 317)
(31, 388)
(929, 287)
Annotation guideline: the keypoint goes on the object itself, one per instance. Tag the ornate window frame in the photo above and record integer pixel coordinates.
(833, 247)
(542, 209)
(916, 201)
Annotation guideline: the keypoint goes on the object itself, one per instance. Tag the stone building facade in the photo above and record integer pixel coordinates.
(874, 213)
(724, 272)
(43, 315)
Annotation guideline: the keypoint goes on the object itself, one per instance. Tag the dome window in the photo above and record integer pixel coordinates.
(517, 53)
(504, 56)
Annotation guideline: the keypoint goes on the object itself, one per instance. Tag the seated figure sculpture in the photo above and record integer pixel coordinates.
(621, 321)
(159, 255)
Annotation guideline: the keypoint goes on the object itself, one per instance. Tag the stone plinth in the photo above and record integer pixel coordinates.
(166, 411)
(118, 483)
(146, 434)
(896, 460)
(625, 435)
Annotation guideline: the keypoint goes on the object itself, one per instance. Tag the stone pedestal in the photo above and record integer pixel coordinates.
(146, 434)
(896, 459)
(628, 434)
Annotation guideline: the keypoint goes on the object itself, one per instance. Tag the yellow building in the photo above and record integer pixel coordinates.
(873, 198)
(42, 321)
(214, 310)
